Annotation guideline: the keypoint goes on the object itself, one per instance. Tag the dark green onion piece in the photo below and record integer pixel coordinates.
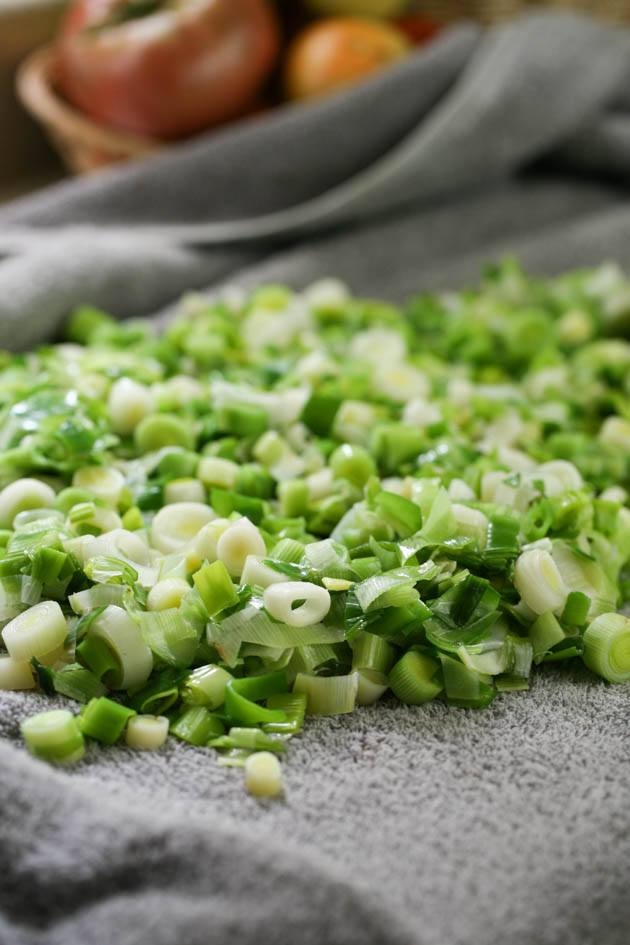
(464, 687)
(225, 502)
(242, 696)
(74, 681)
(159, 694)
(576, 609)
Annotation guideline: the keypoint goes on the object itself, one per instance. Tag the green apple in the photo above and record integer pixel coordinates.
(358, 7)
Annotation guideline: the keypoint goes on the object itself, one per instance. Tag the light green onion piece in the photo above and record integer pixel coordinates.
(415, 678)
(104, 720)
(206, 686)
(371, 652)
(607, 647)
(250, 738)
(293, 704)
(372, 686)
(215, 587)
(544, 634)
(196, 725)
(54, 736)
(328, 695)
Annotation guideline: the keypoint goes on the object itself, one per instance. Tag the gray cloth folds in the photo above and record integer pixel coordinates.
(401, 826)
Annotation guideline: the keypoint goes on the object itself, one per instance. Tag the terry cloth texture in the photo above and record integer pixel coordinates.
(401, 826)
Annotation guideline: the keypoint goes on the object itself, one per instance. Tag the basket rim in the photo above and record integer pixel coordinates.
(34, 83)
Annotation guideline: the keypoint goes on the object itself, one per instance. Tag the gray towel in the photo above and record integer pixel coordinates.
(429, 826)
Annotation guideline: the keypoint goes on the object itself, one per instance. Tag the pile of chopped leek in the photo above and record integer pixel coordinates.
(292, 504)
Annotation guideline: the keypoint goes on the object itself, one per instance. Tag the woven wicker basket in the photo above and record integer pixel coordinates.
(492, 11)
(86, 146)
(83, 144)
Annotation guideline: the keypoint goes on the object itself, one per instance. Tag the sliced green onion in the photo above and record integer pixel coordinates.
(372, 686)
(263, 775)
(215, 587)
(164, 429)
(395, 589)
(293, 496)
(293, 704)
(328, 695)
(104, 720)
(607, 647)
(464, 687)
(206, 686)
(160, 694)
(39, 630)
(404, 516)
(133, 661)
(251, 739)
(54, 736)
(15, 674)
(371, 652)
(242, 696)
(544, 634)
(170, 634)
(147, 732)
(253, 625)
(196, 725)
(576, 609)
(225, 502)
(511, 683)
(288, 550)
(415, 678)
(74, 681)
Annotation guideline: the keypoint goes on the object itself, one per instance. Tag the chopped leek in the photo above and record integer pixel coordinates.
(607, 647)
(299, 502)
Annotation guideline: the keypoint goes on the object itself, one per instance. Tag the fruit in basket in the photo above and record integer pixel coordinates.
(383, 8)
(420, 29)
(335, 52)
(165, 68)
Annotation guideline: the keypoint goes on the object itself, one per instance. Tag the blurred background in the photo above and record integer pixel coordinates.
(87, 83)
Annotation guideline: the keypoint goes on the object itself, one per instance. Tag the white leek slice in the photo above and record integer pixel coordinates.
(539, 582)
(35, 632)
(105, 482)
(147, 732)
(15, 674)
(176, 525)
(23, 494)
(123, 636)
(236, 543)
(297, 603)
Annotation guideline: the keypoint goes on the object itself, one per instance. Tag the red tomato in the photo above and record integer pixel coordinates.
(419, 29)
(338, 51)
(165, 69)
